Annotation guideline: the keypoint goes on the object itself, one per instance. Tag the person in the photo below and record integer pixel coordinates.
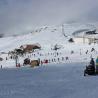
(92, 64)
(90, 69)
(97, 64)
(1, 66)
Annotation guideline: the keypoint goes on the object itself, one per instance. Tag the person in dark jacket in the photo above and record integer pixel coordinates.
(90, 69)
(92, 63)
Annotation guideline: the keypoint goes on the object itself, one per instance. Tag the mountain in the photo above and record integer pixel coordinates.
(48, 37)
(70, 29)
(45, 36)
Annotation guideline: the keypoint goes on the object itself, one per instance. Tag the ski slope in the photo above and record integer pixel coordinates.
(55, 81)
(60, 79)
(45, 36)
(48, 37)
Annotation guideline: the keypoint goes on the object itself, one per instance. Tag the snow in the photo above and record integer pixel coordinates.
(55, 81)
(74, 28)
(61, 78)
(48, 37)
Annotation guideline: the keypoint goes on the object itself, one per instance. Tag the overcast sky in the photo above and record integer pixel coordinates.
(22, 15)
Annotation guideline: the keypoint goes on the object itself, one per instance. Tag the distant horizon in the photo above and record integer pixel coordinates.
(75, 26)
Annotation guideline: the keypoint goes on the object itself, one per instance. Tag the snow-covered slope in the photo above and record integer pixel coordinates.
(63, 81)
(48, 37)
(70, 29)
(45, 36)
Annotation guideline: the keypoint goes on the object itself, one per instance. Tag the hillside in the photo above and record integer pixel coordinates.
(48, 37)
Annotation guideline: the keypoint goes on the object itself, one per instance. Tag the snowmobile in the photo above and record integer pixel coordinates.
(90, 70)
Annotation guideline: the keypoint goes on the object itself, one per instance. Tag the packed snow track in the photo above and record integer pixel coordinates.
(52, 81)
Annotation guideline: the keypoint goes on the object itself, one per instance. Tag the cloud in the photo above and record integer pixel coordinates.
(18, 16)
